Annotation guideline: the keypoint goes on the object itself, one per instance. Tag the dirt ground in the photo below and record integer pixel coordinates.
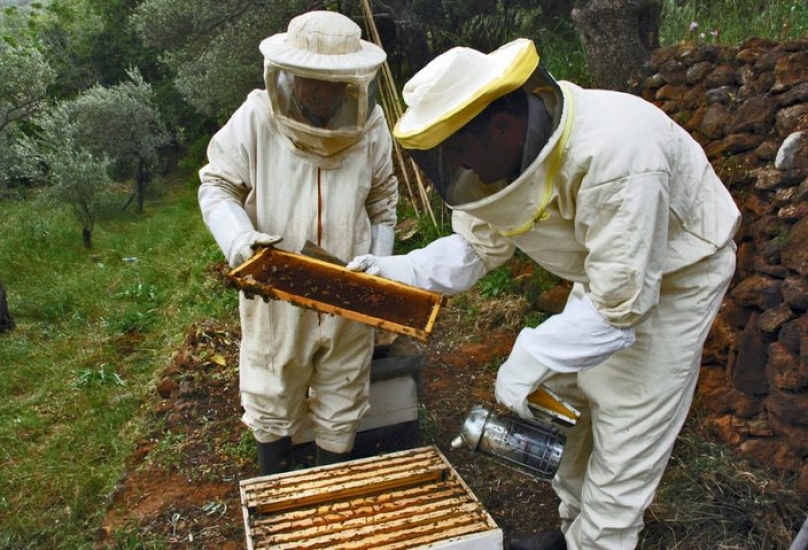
(182, 483)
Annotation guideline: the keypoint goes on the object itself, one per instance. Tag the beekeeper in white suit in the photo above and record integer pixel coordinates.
(309, 158)
(600, 188)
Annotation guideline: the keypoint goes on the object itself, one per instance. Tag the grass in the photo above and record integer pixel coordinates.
(93, 327)
(711, 498)
(732, 21)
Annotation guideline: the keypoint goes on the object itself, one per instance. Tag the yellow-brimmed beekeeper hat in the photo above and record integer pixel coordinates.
(458, 85)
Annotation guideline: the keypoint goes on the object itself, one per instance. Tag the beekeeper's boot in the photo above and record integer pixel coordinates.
(327, 457)
(546, 540)
(275, 457)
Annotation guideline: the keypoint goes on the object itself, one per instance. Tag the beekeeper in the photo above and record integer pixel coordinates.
(308, 158)
(602, 189)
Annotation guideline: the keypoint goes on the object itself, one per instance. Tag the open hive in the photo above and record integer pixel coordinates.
(404, 500)
(308, 282)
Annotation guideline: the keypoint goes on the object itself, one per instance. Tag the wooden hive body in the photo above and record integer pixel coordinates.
(410, 499)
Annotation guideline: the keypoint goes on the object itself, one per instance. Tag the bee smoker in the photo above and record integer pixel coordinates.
(534, 447)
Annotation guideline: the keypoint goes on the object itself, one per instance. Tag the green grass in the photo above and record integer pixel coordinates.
(732, 21)
(93, 329)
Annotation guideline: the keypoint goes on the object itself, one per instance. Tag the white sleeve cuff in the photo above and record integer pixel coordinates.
(227, 221)
(382, 240)
(448, 265)
(577, 339)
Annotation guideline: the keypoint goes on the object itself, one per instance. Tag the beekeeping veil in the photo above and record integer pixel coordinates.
(452, 90)
(321, 80)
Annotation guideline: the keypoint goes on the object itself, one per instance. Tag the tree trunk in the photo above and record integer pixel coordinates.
(142, 180)
(6, 321)
(87, 237)
(618, 36)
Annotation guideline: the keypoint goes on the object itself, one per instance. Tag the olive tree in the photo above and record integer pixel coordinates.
(70, 174)
(123, 124)
(83, 144)
(24, 79)
(80, 181)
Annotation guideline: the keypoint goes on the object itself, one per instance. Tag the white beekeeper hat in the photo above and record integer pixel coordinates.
(323, 41)
(458, 85)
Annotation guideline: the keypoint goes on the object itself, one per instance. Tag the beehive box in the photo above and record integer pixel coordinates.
(410, 499)
(308, 282)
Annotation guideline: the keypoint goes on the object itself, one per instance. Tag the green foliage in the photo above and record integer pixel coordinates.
(534, 318)
(122, 123)
(13, 164)
(562, 52)
(731, 21)
(425, 231)
(167, 451)
(486, 25)
(92, 378)
(73, 382)
(212, 46)
(68, 30)
(90, 42)
(195, 157)
(243, 450)
(24, 78)
(497, 283)
(75, 177)
(82, 142)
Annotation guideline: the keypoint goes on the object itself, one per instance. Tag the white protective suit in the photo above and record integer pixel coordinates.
(634, 215)
(344, 201)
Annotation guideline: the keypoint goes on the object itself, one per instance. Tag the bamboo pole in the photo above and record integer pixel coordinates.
(392, 108)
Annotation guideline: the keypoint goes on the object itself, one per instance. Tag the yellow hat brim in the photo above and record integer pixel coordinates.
(519, 60)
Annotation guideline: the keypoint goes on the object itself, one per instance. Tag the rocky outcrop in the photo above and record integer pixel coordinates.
(748, 107)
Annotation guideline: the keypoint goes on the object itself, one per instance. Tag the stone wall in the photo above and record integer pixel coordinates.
(748, 107)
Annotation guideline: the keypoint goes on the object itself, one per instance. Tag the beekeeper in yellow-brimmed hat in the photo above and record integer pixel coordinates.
(602, 189)
(306, 159)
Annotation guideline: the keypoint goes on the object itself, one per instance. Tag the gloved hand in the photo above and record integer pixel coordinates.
(246, 243)
(397, 268)
(519, 376)
(234, 232)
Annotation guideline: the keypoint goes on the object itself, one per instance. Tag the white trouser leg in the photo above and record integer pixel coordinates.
(341, 381)
(568, 481)
(329, 354)
(638, 401)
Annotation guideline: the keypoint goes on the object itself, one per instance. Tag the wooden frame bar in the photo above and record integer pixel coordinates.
(307, 282)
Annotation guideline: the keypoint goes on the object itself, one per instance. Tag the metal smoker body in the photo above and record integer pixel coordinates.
(534, 446)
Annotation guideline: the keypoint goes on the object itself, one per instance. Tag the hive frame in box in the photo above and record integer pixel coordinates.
(273, 274)
(405, 500)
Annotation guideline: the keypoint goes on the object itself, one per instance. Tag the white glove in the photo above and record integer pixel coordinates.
(397, 268)
(576, 339)
(233, 230)
(245, 244)
(519, 376)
